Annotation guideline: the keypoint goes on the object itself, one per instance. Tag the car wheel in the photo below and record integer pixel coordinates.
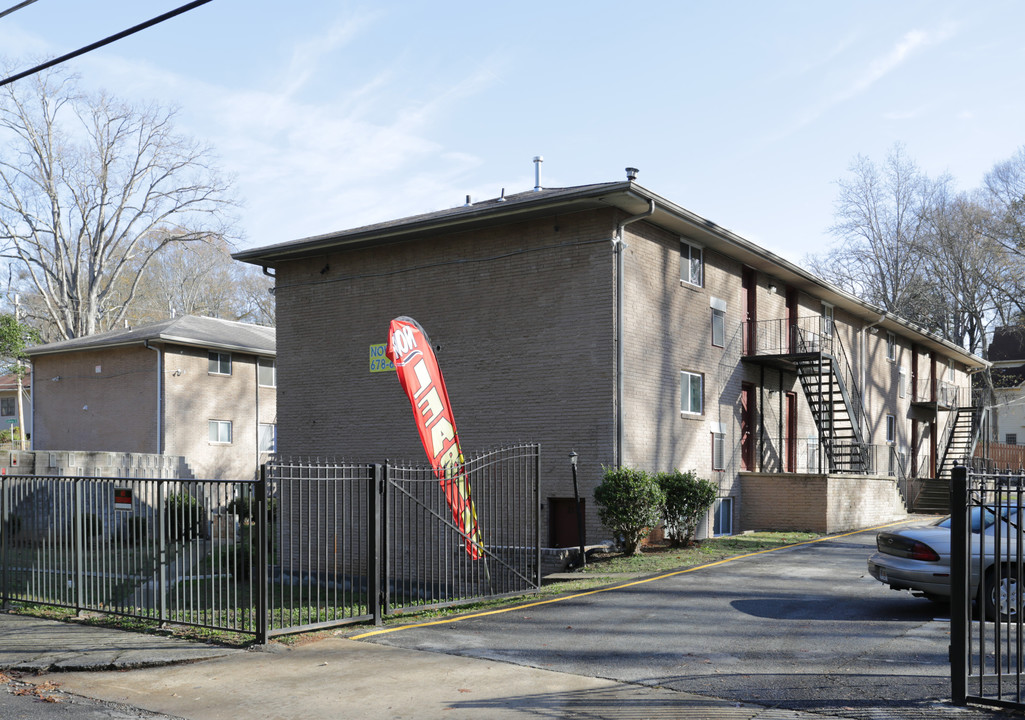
(1002, 601)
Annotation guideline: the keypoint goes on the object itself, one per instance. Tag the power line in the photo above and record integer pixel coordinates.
(105, 41)
(19, 6)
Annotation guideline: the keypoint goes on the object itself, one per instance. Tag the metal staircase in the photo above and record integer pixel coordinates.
(960, 438)
(835, 406)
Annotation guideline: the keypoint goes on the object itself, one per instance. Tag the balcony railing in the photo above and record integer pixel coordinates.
(784, 336)
(803, 456)
(944, 394)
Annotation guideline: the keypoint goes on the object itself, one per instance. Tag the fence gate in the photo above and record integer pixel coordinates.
(987, 650)
(429, 558)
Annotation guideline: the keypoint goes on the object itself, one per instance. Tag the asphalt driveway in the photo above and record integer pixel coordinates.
(804, 628)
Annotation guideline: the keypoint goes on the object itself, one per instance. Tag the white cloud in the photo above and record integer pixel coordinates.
(879, 68)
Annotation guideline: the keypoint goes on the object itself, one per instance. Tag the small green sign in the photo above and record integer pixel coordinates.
(379, 362)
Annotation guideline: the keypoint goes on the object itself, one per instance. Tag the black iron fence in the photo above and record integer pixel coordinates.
(987, 649)
(313, 543)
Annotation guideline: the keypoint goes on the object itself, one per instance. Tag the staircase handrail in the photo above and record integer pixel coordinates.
(848, 378)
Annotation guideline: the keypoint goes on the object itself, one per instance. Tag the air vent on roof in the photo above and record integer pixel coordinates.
(631, 174)
(537, 172)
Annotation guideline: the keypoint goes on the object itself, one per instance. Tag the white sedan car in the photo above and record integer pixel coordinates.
(918, 559)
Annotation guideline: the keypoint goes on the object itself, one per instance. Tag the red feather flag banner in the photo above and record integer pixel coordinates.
(417, 367)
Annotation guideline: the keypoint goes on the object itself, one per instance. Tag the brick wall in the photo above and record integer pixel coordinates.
(521, 317)
(818, 503)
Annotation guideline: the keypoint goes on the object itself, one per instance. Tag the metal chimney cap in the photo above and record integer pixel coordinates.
(631, 173)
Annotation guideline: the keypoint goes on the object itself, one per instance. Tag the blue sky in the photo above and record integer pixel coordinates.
(337, 114)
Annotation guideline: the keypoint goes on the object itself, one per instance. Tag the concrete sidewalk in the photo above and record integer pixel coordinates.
(328, 678)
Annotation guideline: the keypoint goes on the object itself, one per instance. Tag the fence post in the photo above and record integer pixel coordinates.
(537, 516)
(959, 605)
(79, 550)
(262, 520)
(5, 530)
(162, 545)
(374, 543)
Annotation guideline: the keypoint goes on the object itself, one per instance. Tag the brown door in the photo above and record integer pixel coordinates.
(914, 447)
(932, 382)
(791, 439)
(747, 426)
(791, 320)
(932, 448)
(748, 287)
(914, 374)
(562, 521)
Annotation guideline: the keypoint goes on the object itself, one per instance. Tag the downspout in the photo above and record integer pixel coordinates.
(160, 379)
(620, 246)
(256, 367)
(32, 405)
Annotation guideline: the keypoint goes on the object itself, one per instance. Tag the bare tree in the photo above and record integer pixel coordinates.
(1005, 184)
(201, 278)
(882, 219)
(83, 180)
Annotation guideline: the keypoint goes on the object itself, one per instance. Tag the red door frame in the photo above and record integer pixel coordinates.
(747, 426)
(749, 300)
(791, 439)
(791, 320)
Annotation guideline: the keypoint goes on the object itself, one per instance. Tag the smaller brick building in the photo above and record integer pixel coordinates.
(197, 387)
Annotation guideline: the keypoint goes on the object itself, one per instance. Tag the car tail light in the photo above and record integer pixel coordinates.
(921, 551)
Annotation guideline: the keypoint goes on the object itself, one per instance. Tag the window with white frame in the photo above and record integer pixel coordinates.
(691, 393)
(219, 363)
(220, 431)
(8, 406)
(722, 517)
(691, 264)
(718, 450)
(891, 429)
(718, 321)
(827, 319)
(902, 382)
(891, 346)
(266, 372)
(1011, 438)
(268, 437)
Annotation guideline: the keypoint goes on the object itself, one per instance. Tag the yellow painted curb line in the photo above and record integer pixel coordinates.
(499, 611)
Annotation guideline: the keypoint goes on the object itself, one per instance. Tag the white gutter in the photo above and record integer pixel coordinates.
(620, 246)
(160, 379)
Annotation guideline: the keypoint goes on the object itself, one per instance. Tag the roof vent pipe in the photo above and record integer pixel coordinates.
(467, 203)
(631, 174)
(537, 172)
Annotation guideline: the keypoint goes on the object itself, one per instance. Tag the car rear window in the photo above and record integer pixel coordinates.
(983, 518)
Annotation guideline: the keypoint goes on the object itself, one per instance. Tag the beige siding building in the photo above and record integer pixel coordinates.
(608, 321)
(197, 387)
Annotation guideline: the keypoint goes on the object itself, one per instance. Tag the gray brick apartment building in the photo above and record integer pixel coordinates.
(606, 320)
(196, 387)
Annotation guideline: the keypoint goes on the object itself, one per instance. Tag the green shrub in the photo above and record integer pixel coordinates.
(92, 525)
(629, 502)
(185, 519)
(244, 506)
(686, 500)
(133, 529)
